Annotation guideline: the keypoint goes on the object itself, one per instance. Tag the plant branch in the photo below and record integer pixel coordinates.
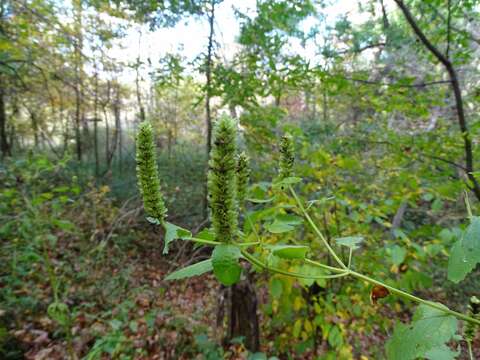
(261, 264)
(316, 230)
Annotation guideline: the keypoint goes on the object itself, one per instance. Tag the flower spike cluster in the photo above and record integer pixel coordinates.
(147, 174)
(243, 176)
(287, 153)
(222, 180)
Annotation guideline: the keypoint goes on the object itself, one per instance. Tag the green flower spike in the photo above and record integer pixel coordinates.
(473, 311)
(147, 174)
(287, 152)
(222, 180)
(243, 176)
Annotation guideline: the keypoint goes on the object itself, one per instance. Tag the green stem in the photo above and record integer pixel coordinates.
(346, 272)
(408, 296)
(470, 352)
(202, 241)
(327, 267)
(316, 230)
(261, 264)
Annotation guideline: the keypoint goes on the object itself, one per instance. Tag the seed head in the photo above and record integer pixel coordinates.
(222, 180)
(147, 174)
(287, 153)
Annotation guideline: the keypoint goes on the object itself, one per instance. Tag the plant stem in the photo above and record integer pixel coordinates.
(327, 267)
(470, 352)
(409, 296)
(261, 264)
(202, 241)
(316, 230)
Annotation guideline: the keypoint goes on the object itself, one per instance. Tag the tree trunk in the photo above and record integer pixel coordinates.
(4, 144)
(34, 121)
(78, 69)
(243, 318)
(95, 126)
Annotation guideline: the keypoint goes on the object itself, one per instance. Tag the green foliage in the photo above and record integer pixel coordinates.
(197, 269)
(222, 180)
(465, 254)
(290, 251)
(225, 264)
(351, 242)
(173, 232)
(147, 174)
(424, 337)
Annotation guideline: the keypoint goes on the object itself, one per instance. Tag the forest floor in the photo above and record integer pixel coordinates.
(150, 318)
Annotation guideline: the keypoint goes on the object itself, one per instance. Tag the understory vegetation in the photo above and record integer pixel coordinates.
(300, 181)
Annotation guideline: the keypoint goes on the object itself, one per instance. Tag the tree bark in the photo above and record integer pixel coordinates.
(78, 85)
(462, 122)
(4, 144)
(95, 126)
(243, 318)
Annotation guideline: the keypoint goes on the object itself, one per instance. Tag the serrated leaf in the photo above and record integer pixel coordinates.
(429, 330)
(290, 251)
(226, 268)
(199, 268)
(173, 232)
(465, 253)
(350, 241)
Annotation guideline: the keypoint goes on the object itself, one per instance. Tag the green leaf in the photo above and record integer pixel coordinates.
(442, 353)
(310, 270)
(290, 251)
(226, 268)
(350, 241)
(277, 227)
(276, 287)
(465, 253)
(429, 330)
(397, 254)
(287, 182)
(335, 338)
(283, 223)
(199, 268)
(173, 232)
(206, 234)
